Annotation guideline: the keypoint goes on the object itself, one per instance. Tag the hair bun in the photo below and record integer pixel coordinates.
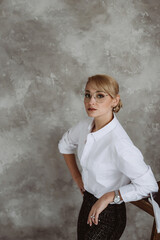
(118, 107)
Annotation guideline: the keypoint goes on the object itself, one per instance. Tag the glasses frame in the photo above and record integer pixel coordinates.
(101, 100)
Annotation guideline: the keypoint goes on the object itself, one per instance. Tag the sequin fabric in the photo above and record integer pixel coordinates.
(111, 225)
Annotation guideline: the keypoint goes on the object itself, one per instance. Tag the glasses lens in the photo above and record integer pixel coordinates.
(87, 95)
(99, 97)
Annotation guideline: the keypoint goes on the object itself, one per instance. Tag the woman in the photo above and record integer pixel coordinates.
(113, 169)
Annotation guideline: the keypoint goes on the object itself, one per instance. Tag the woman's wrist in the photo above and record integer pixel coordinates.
(109, 197)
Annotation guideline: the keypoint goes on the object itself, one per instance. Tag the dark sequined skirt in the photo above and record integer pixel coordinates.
(111, 225)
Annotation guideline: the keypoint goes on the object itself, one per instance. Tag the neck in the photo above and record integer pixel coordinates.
(101, 122)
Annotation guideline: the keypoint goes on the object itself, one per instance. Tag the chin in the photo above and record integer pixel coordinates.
(91, 114)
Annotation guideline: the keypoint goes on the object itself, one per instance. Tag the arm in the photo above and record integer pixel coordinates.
(132, 165)
(67, 146)
(73, 168)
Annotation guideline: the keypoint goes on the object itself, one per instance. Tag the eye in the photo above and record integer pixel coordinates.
(87, 95)
(100, 95)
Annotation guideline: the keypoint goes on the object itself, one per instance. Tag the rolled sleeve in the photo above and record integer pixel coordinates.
(132, 165)
(69, 141)
(139, 187)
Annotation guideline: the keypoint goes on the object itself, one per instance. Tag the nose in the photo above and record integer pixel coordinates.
(92, 100)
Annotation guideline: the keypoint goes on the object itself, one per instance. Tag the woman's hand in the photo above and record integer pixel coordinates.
(80, 184)
(99, 206)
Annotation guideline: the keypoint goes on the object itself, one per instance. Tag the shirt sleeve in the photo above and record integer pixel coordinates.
(69, 141)
(131, 164)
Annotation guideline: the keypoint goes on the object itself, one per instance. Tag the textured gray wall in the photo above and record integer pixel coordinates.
(47, 51)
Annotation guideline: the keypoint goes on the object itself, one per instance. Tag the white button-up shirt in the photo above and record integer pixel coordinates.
(109, 160)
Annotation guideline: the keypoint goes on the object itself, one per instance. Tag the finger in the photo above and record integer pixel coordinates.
(90, 218)
(89, 221)
(96, 218)
(93, 219)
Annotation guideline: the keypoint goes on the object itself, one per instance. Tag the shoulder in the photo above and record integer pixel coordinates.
(120, 133)
(123, 142)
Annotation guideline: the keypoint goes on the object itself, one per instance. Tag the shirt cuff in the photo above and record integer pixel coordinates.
(64, 150)
(140, 187)
(128, 193)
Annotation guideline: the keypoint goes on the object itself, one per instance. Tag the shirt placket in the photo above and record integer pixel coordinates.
(87, 148)
(85, 155)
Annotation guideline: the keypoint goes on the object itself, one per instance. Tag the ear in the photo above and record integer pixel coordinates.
(116, 100)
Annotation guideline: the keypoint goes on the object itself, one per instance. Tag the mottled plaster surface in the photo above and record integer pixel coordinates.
(48, 49)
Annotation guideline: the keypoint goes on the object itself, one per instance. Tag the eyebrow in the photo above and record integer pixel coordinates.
(96, 91)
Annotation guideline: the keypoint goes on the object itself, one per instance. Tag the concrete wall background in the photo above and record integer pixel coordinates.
(47, 51)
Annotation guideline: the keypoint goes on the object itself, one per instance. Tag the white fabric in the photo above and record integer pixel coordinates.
(156, 209)
(109, 160)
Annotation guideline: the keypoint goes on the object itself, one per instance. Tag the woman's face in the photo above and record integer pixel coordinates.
(98, 109)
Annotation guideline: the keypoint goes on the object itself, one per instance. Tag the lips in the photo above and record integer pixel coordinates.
(92, 109)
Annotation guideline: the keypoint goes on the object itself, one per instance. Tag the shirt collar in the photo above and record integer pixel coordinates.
(103, 131)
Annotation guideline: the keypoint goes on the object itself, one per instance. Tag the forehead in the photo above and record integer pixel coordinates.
(92, 87)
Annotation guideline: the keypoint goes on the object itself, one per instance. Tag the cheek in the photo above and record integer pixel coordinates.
(107, 106)
(85, 104)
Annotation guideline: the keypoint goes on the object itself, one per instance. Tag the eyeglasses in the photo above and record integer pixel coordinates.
(98, 96)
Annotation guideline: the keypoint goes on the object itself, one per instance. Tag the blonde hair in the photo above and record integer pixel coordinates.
(107, 84)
